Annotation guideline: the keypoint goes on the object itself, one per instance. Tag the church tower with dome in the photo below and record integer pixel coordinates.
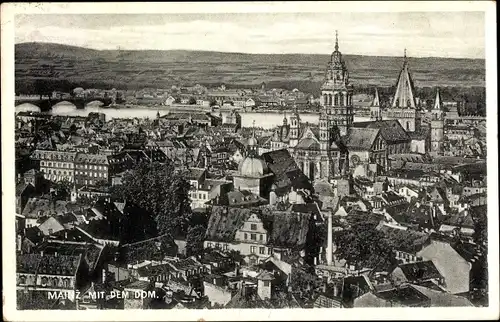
(319, 151)
(253, 173)
(336, 92)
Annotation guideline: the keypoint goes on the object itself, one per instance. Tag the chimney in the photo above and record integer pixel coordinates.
(19, 242)
(236, 269)
(335, 289)
(329, 241)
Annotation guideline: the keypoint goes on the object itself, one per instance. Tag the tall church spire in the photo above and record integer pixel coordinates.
(437, 101)
(405, 90)
(376, 99)
(336, 40)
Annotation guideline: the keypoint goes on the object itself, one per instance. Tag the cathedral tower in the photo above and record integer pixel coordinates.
(404, 107)
(437, 126)
(336, 92)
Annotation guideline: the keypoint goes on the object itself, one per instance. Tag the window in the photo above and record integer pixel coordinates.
(266, 283)
(262, 250)
(200, 196)
(253, 226)
(253, 249)
(43, 163)
(269, 251)
(226, 247)
(253, 236)
(261, 237)
(246, 236)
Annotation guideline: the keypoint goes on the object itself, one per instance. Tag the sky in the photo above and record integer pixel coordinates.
(425, 34)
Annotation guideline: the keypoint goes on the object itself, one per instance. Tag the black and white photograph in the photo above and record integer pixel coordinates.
(214, 160)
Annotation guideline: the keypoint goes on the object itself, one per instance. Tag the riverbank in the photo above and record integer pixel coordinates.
(204, 109)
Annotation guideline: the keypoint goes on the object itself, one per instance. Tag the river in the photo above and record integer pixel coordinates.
(264, 120)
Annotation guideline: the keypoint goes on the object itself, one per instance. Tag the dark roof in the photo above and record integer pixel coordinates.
(462, 219)
(48, 264)
(285, 229)
(390, 130)
(406, 295)
(157, 248)
(247, 298)
(360, 138)
(287, 174)
(420, 271)
(138, 285)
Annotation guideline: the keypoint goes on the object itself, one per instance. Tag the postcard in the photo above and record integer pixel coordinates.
(249, 161)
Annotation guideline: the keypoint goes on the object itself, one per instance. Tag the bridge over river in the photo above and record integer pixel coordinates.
(45, 103)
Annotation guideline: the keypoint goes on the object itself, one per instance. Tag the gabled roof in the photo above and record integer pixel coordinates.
(442, 299)
(360, 138)
(390, 130)
(420, 271)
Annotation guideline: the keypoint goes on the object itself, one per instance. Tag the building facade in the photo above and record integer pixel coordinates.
(56, 165)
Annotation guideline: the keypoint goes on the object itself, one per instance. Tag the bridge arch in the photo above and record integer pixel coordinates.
(27, 107)
(96, 102)
(64, 103)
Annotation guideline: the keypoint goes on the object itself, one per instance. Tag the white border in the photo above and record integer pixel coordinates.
(8, 11)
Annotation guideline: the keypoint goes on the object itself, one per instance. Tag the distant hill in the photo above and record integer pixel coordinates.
(69, 65)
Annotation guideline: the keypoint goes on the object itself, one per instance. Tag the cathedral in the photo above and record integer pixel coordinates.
(338, 146)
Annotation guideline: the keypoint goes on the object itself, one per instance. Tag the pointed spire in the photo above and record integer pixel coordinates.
(405, 90)
(437, 101)
(336, 40)
(376, 99)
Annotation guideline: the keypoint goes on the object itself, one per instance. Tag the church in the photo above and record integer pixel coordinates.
(337, 146)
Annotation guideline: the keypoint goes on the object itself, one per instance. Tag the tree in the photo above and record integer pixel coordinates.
(160, 190)
(192, 101)
(363, 246)
(213, 102)
(194, 240)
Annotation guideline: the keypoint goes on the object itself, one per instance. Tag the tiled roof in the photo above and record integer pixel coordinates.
(37, 207)
(360, 138)
(420, 271)
(284, 228)
(138, 285)
(27, 263)
(265, 276)
(48, 264)
(443, 299)
(406, 295)
(390, 130)
(308, 144)
(21, 187)
(195, 173)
